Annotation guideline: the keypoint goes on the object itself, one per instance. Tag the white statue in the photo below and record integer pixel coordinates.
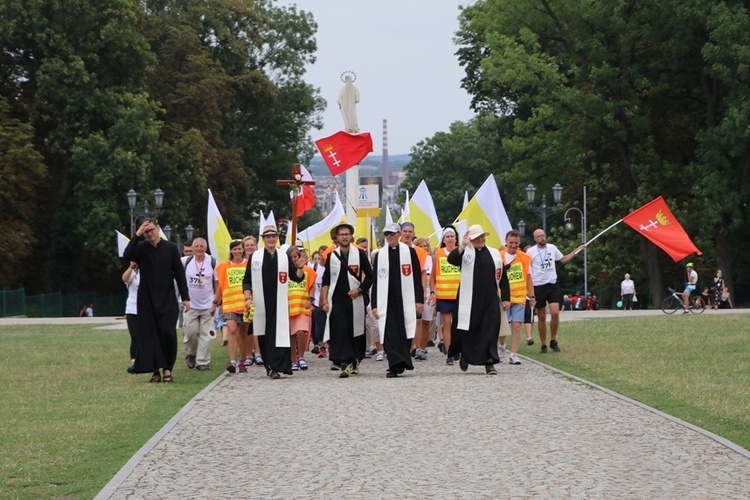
(347, 101)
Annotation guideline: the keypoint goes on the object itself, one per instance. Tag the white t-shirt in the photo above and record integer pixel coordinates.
(627, 286)
(693, 277)
(200, 278)
(543, 264)
(318, 282)
(131, 305)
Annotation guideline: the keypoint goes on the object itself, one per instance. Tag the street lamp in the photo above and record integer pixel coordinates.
(543, 209)
(167, 230)
(521, 228)
(144, 212)
(189, 232)
(569, 226)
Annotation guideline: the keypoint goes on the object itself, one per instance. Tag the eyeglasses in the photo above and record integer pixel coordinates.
(149, 231)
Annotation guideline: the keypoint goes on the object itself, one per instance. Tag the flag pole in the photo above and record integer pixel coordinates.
(600, 233)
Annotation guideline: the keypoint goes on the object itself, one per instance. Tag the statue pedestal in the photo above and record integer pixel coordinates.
(352, 186)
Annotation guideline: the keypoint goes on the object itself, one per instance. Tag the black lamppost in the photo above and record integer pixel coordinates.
(543, 209)
(189, 232)
(144, 212)
(569, 226)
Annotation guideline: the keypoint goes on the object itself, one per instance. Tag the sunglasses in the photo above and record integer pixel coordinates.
(389, 233)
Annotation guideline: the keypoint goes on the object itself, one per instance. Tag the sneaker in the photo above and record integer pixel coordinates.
(529, 341)
(420, 355)
(513, 359)
(242, 367)
(295, 367)
(335, 367)
(274, 375)
(348, 370)
(202, 368)
(490, 369)
(249, 361)
(430, 343)
(379, 356)
(441, 347)
(355, 368)
(553, 345)
(685, 312)
(463, 364)
(302, 364)
(390, 374)
(372, 350)
(501, 350)
(449, 360)
(232, 367)
(258, 359)
(190, 361)
(544, 349)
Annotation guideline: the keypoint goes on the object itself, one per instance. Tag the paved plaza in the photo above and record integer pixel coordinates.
(435, 432)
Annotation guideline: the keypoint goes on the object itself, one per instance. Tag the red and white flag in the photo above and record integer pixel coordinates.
(306, 196)
(343, 150)
(655, 221)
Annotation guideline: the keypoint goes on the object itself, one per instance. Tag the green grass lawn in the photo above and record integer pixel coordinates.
(72, 417)
(696, 368)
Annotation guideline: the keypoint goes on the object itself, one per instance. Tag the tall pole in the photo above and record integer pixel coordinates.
(544, 213)
(585, 250)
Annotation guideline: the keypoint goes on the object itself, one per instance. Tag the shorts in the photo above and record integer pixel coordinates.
(237, 318)
(445, 306)
(220, 322)
(516, 313)
(546, 294)
(690, 288)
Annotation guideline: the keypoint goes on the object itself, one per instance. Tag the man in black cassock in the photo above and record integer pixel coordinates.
(398, 326)
(160, 267)
(476, 328)
(277, 358)
(350, 270)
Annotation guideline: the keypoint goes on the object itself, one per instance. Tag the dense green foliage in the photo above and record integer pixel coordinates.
(98, 97)
(632, 100)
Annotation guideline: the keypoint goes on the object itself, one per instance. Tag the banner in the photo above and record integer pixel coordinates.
(486, 208)
(122, 242)
(421, 212)
(306, 195)
(343, 150)
(218, 235)
(657, 223)
(319, 234)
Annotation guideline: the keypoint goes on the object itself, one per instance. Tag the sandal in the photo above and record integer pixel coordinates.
(167, 379)
(155, 378)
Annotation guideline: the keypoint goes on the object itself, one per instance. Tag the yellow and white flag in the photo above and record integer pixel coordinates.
(486, 208)
(122, 242)
(421, 212)
(218, 234)
(388, 216)
(319, 234)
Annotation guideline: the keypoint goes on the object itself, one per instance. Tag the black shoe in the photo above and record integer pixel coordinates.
(274, 375)
(315, 350)
(490, 369)
(544, 349)
(413, 353)
(390, 374)
(463, 364)
(529, 341)
(553, 345)
(190, 361)
(441, 347)
(430, 343)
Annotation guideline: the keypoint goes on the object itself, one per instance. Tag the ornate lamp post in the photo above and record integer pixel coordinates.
(543, 209)
(144, 211)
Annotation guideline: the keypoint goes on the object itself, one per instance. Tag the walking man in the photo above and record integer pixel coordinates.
(518, 272)
(265, 287)
(397, 299)
(160, 266)
(546, 291)
(200, 275)
(477, 325)
(346, 280)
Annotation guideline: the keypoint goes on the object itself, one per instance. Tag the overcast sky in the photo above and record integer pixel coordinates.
(402, 52)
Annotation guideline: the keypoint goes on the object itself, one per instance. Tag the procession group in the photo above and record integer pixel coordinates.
(271, 303)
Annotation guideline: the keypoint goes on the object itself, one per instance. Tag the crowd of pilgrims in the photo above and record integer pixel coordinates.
(274, 305)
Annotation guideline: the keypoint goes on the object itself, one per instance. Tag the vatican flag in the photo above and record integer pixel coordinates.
(486, 208)
(218, 234)
(421, 212)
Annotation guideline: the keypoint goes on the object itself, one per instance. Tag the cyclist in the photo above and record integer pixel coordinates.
(692, 280)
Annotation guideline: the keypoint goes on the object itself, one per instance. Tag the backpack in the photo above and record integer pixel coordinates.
(213, 265)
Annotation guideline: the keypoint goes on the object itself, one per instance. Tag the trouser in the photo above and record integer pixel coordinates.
(197, 335)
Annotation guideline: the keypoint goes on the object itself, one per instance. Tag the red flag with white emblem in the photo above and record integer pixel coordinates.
(343, 150)
(655, 221)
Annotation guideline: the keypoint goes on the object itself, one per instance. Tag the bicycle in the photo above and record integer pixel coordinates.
(674, 302)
